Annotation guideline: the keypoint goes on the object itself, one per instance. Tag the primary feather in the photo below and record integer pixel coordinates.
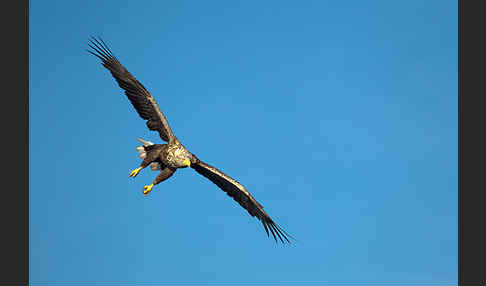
(138, 95)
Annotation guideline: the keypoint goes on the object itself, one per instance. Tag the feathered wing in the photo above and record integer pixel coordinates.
(138, 95)
(239, 193)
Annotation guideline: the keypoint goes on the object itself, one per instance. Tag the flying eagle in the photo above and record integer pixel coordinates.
(171, 156)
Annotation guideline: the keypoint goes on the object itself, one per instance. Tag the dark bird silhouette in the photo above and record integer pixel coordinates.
(172, 156)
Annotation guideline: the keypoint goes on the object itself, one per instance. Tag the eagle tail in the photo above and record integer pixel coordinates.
(142, 150)
(144, 142)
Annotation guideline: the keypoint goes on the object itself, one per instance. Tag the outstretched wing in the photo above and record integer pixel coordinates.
(242, 196)
(138, 95)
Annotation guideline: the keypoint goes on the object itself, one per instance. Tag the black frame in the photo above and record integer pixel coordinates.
(471, 65)
(15, 167)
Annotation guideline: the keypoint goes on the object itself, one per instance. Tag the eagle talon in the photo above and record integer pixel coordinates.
(147, 189)
(135, 172)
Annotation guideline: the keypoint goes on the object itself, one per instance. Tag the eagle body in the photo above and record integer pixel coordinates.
(169, 157)
(172, 156)
(176, 156)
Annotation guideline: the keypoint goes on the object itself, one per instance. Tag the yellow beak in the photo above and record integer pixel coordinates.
(187, 162)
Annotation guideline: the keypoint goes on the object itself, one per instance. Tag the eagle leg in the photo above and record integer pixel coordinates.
(144, 164)
(164, 175)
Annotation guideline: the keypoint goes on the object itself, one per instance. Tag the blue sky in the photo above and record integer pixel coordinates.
(351, 106)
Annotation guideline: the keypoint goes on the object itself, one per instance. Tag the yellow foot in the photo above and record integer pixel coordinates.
(134, 173)
(147, 189)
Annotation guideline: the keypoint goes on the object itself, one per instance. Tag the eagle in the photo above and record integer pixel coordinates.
(167, 158)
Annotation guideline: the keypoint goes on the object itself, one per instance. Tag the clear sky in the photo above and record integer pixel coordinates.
(340, 117)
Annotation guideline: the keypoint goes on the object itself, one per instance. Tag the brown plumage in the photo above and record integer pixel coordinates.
(171, 156)
(138, 95)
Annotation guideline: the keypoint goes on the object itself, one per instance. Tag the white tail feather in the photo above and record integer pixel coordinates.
(154, 165)
(141, 150)
(145, 143)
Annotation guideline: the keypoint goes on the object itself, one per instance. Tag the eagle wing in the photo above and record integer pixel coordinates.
(138, 95)
(239, 193)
